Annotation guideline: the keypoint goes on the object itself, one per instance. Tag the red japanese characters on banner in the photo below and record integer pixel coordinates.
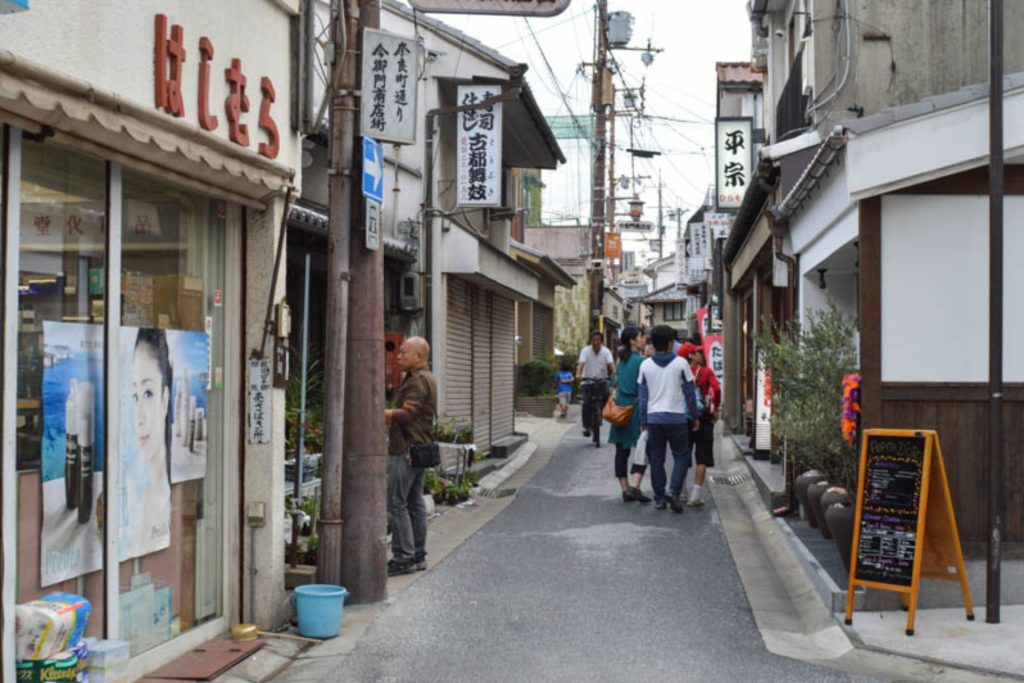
(168, 60)
(714, 347)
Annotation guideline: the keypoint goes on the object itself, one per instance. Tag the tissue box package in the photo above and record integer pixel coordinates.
(50, 625)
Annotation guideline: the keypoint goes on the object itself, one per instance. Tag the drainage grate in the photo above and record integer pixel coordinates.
(730, 480)
(497, 493)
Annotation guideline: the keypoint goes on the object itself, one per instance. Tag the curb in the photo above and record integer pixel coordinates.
(495, 479)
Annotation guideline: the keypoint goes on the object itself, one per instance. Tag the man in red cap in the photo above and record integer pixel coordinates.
(704, 439)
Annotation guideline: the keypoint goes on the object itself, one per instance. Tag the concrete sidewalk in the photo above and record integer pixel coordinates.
(283, 661)
(946, 646)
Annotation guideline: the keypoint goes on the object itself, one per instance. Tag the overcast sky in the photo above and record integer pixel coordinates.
(680, 84)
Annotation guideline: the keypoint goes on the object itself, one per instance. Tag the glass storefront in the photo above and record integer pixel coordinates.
(169, 445)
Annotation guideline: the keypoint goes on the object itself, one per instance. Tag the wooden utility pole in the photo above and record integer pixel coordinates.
(341, 90)
(364, 484)
(598, 210)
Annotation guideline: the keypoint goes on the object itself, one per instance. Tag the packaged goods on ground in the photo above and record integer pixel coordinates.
(50, 625)
(62, 667)
(108, 660)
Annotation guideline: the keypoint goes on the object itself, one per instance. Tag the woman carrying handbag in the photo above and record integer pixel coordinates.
(627, 396)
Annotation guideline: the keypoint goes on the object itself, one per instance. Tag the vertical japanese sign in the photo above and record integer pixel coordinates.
(390, 72)
(733, 160)
(699, 260)
(261, 381)
(479, 147)
(763, 410)
(714, 347)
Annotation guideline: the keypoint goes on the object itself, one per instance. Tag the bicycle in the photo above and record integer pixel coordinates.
(595, 393)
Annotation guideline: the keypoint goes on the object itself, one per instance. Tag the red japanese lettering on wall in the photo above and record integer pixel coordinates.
(169, 58)
(268, 149)
(206, 120)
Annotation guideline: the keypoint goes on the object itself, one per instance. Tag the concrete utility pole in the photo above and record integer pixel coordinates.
(598, 212)
(661, 227)
(363, 500)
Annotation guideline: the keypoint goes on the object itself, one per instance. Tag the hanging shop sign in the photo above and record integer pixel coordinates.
(613, 245)
(388, 107)
(904, 526)
(634, 226)
(714, 347)
(170, 52)
(512, 8)
(479, 147)
(733, 160)
(718, 224)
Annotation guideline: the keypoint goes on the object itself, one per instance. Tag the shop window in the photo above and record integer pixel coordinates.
(172, 410)
(60, 450)
(675, 311)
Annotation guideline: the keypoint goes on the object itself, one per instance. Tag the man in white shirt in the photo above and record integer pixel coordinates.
(595, 368)
(669, 411)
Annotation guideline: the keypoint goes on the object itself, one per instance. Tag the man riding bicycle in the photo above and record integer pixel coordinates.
(594, 371)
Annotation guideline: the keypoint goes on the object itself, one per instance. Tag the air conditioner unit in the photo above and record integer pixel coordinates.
(409, 297)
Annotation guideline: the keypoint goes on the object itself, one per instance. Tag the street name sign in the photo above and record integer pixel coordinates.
(904, 526)
(513, 8)
(388, 107)
(372, 225)
(635, 226)
(373, 170)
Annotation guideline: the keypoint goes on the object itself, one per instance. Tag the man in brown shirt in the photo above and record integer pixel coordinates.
(410, 423)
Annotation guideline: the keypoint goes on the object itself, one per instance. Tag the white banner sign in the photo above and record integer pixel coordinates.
(635, 226)
(261, 383)
(763, 409)
(733, 160)
(512, 8)
(718, 224)
(479, 147)
(388, 111)
(700, 246)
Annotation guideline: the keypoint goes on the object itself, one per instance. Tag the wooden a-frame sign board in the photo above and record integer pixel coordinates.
(904, 527)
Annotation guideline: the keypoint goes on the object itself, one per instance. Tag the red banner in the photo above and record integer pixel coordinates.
(714, 347)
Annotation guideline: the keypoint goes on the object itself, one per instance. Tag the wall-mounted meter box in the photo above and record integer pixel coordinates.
(10, 6)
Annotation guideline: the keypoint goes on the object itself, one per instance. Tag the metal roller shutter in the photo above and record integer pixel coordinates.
(458, 358)
(503, 367)
(481, 333)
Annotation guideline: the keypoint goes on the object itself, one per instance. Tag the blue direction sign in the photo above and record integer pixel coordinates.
(373, 170)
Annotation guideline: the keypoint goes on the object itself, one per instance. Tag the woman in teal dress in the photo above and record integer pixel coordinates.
(628, 394)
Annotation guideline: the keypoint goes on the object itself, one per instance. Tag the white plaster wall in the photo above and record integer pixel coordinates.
(827, 206)
(110, 43)
(1013, 289)
(264, 474)
(935, 288)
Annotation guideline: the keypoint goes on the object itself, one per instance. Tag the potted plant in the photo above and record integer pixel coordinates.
(455, 442)
(808, 364)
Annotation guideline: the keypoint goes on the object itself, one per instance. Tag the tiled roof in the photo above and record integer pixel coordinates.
(666, 295)
(738, 72)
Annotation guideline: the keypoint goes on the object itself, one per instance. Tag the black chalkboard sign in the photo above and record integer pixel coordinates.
(890, 508)
(905, 527)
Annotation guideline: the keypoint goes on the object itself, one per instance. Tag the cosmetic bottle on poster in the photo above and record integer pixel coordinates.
(200, 425)
(71, 448)
(185, 412)
(191, 423)
(179, 396)
(86, 401)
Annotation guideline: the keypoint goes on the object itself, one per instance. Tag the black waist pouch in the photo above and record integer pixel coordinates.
(425, 455)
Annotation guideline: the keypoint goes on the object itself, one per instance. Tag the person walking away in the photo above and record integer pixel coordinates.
(704, 439)
(669, 411)
(410, 424)
(594, 369)
(627, 393)
(563, 386)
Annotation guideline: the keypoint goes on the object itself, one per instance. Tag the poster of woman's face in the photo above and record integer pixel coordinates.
(163, 429)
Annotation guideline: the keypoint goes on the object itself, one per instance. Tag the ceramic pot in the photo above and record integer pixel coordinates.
(840, 522)
(802, 482)
(831, 496)
(814, 493)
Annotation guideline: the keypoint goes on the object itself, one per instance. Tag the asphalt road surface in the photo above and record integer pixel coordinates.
(571, 584)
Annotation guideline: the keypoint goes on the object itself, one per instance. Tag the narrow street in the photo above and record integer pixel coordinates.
(569, 583)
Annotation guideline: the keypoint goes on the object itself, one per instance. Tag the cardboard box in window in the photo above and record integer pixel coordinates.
(178, 302)
(137, 300)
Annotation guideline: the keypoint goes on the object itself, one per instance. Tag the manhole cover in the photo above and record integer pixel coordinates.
(730, 480)
(497, 493)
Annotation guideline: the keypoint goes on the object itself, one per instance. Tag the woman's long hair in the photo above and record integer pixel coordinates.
(155, 342)
(625, 339)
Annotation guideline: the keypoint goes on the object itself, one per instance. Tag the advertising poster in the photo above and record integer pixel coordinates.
(72, 451)
(163, 429)
(714, 347)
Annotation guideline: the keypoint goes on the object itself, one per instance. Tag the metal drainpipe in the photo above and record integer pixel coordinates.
(428, 235)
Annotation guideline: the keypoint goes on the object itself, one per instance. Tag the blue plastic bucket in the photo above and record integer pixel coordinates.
(318, 607)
